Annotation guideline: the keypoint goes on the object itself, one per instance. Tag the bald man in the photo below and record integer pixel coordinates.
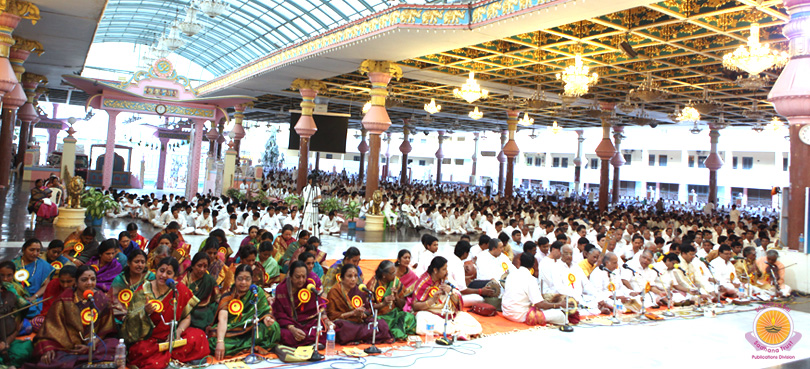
(570, 280)
(602, 279)
(641, 275)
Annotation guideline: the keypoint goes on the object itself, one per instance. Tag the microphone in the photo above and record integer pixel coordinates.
(254, 289)
(88, 295)
(656, 270)
(602, 267)
(625, 266)
(362, 287)
(171, 283)
(312, 288)
(452, 286)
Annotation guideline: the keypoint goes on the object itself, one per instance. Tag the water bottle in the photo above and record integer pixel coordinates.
(429, 338)
(801, 240)
(330, 341)
(121, 355)
(619, 308)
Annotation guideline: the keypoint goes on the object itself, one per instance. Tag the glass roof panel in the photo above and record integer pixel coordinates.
(248, 30)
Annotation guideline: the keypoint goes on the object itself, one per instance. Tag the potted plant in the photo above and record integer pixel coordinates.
(234, 193)
(97, 204)
(351, 211)
(329, 204)
(295, 200)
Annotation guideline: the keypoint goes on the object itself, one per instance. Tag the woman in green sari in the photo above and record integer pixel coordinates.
(204, 287)
(389, 299)
(131, 278)
(234, 328)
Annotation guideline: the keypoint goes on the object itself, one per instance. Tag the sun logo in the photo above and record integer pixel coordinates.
(773, 328)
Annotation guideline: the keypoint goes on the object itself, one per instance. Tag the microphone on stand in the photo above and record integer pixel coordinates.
(362, 287)
(656, 271)
(88, 295)
(255, 290)
(452, 286)
(253, 358)
(625, 266)
(171, 283)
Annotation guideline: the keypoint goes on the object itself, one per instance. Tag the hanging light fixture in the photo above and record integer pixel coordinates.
(538, 100)
(432, 108)
(775, 124)
(471, 91)
(756, 57)
(172, 40)
(366, 107)
(475, 114)
(159, 50)
(576, 78)
(688, 114)
(758, 128)
(695, 129)
(213, 8)
(526, 121)
(532, 135)
(555, 128)
(189, 26)
(648, 90)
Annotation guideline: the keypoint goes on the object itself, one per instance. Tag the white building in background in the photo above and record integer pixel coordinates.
(666, 160)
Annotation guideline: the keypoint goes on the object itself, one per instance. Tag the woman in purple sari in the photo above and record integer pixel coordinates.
(296, 311)
(105, 264)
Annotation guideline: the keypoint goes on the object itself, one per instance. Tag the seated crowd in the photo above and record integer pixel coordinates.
(549, 257)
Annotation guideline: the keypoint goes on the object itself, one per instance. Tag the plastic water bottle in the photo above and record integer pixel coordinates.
(801, 240)
(121, 355)
(330, 341)
(619, 308)
(429, 338)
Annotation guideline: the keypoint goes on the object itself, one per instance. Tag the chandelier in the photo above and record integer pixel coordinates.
(642, 119)
(648, 91)
(172, 41)
(755, 58)
(213, 8)
(775, 124)
(721, 122)
(471, 91)
(526, 121)
(189, 26)
(532, 135)
(555, 128)
(627, 106)
(366, 107)
(754, 113)
(688, 114)
(758, 128)
(753, 82)
(695, 129)
(476, 114)
(432, 108)
(158, 51)
(538, 100)
(706, 105)
(576, 78)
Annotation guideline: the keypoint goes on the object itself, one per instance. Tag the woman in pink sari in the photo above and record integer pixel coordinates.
(405, 273)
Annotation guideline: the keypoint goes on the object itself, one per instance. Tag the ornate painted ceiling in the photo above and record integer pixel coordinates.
(680, 45)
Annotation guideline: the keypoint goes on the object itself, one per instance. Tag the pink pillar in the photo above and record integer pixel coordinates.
(164, 148)
(376, 121)
(305, 127)
(791, 99)
(605, 152)
(363, 149)
(475, 159)
(511, 150)
(405, 148)
(52, 132)
(617, 161)
(109, 150)
(193, 179)
(713, 162)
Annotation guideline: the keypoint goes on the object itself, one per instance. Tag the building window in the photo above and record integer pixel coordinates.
(356, 158)
(627, 159)
(785, 164)
(424, 140)
(538, 161)
(594, 163)
(422, 163)
(747, 162)
(662, 160)
(329, 156)
(446, 161)
(691, 161)
(461, 138)
(529, 160)
(555, 162)
(459, 161)
(564, 163)
(652, 160)
(734, 163)
(702, 161)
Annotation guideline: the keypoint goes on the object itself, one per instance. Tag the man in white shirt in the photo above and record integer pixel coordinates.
(639, 275)
(522, 298)
(421, 258)
(724, 272)
(547, 268)
(571, 281)
(543, 247)
(456, 275)
(204, 223)
(410, 213)
(440, 225)
(734, 214)
(331, 224)
(608, 280)
(494, 263)
(483, 245)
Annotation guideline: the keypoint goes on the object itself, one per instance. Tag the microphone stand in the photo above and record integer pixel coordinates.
(445, 312)
(253, 358)
(373, 350)
(173, 323)
(566, 327)
(716, 286)
(669, 312)
(614, 320)
(316, 356)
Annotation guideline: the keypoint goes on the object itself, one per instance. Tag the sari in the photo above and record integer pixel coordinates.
(106, 274)
(289, 310)
(354, 329)
(144, 331)
(60, 262)
(89, 251)
(52, 292)
(204, 289)
(39, 272)
(270, 268)
(280, 247)
(223, 275)
(20, 350)
(139, 241)
(132, 247)
(400, 323)
(64, 330)
(332, 276)
(156, 240)
(458, 321)
(408, 281)
(123, 282)
(240, 331)
(249, 241)
(289, 254)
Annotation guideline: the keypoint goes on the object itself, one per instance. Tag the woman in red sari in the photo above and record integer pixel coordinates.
(148, 322)
(66, 280)
(404, 272)
(296, 310)
(61, 341)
